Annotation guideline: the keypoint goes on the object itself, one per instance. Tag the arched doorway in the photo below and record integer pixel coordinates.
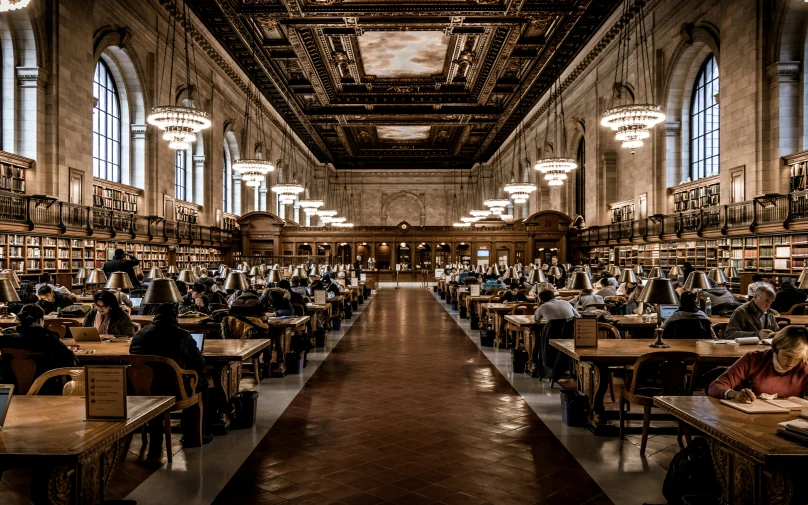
(304, 249)
(404, 256)
(343, 254)
(383, 256)
(463, 253)
(324, 250)
(424, 255)
(365, 251)
(443, 255)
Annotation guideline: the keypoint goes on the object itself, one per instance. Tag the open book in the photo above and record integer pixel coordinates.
(776, 406)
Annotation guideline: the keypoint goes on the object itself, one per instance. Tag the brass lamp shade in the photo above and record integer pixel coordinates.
(675, 271)
(154, 273)
(7, 292)
(629, 276)
(536, 276)
(497, 271)
(274, 276)
(659, 291)
(186, 276)
(97, 276)
(656, 272)
(716, 275)
(197, 271)
(803, 284)
(138, 272)
(732, 273)
(6, 274)
(638, 270)
(255, 271)
(223, 272)
(508, 274)
(298, 272)
(162, 291)
(172, 270)
(553, 271)
(326, 270)
(614, 270)
(119, 280)
(579, 281)
(315, 270)
(81, 274)
(586, 270)
(697, 280)
(236, 281)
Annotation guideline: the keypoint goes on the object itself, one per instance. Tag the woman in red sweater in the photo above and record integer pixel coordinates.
(781, 369)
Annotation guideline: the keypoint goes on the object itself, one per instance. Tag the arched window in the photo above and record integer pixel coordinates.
(106, 126)
(704, 122)
(580, 179)
(180, 173)
(225, 180)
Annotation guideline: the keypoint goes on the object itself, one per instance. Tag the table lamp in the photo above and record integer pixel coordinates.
(5, 274)
(162, 291)
(298, 272)
(580, 281)
(675, 272)
(96, 277)
(717, 276)
(659, 291)
(614, 270)
(172, 270)
(656, 272)
(697, 280)
(80, 275)
(138, 271)
(255, 272)
(629, 276)
(508, 275)
(223, 272)
(587, 271)
(155, 273)
(7, 294)
(497, 271)
(732, 273)
(638, 270)
(315, 271)
(186, 276)
(119, 280)
(553, 271)
(236, 281)
(197, 270)
(803, 284)
(274, 276)
(535, 276)
(326, 270)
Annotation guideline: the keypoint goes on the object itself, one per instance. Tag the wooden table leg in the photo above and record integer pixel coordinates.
(530, 346)
(594, 382)
(81, 482)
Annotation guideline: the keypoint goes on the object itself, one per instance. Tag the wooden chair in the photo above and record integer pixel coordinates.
(63, 373)
(58, 328)
(141, 374)
(299, 309)
(798, 309)
(658, 373)
(719, 329)
(23, 365)
(607, 331)
(218, 306)
(67, 323)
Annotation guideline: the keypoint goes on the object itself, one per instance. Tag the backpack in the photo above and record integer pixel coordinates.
(691, 473)
(75, 310)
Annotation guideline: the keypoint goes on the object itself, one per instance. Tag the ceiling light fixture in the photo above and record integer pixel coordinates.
(287, 193)
(480, 213)
(310, 206)
(555, 168)
(497, 205)
(12, 5)
(461, 225)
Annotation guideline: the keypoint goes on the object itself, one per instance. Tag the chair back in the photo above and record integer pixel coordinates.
(63, 373)
(155, 375)
(56, 327)
(23, 365)
(299, 309)
(524, 309)
(668, 373)
(607, 331)
(719, 329)
(688, 328)
(67, 323)
(218, 306)
(798, 309)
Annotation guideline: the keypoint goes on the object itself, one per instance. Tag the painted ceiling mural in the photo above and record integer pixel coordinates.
(390, 84)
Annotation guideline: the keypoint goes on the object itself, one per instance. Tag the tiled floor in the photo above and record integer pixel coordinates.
(406, 409)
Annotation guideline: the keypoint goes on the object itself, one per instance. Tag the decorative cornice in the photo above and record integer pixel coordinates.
(783, 71)
(138, 131)
(32, 77)
(673, 128)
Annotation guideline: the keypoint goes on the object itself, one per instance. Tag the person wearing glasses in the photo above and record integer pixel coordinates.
(108, 317)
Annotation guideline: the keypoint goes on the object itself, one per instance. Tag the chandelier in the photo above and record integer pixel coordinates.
(469, 219)
(632, 121)
(343, 225)
(520, 191)
(497, 205)
(12, 5)
(555, 168)
(287, 193)
(337, 220)
(253, 172)
(326, 215)
(310, 206)
(555, 177)
(461, 225)
(179, 123)
(480, 213)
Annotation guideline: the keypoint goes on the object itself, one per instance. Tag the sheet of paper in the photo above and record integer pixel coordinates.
(756, 407)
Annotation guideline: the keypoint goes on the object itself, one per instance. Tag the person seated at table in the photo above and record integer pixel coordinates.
(626, 288)
(754, 318)
(586, 298)
(633, 304)
(513, 294)
(27, 295)
(554, 308)
(718, 295)
(299, 286)
(331, 286)
(461, 279)
(688, 321)
(757, 281)
(606, 288)
(51, 301)
(248, 305)
(782, 369)
(149, 309)
(294, 296)
(108, 317)
(542, 286)
(213, 296)
(31, 335)
(277, 301)
(218, 286)
(165, 337)
(492, 283)
(47, 279)
(196, 300)
(787, 297)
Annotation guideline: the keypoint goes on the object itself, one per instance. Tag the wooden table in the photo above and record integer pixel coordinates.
(472, 311)
(498, 311)
(592, 365)
(192, 324)
(280, 332)
(753, 464)
(531, 328)
(322, 312)
(74, 459)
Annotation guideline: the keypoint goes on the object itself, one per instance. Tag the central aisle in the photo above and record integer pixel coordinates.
(406, 409)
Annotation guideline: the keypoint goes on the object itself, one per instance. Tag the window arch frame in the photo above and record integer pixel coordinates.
(112, 136)
(580, 178)
(181, 174)
(702, 109)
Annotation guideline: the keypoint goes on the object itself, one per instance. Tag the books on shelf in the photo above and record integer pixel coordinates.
(114, 199)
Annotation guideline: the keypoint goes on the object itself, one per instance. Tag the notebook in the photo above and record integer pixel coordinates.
(199, 338)
(81, 334)
(6, 391)
(756, 407)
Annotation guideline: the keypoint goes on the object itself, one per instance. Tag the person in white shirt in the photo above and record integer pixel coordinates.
(554, 308)
(542, 286)
(585, 299)
(757, 281)
(606, 288)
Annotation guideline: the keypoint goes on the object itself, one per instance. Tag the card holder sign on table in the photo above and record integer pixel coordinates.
(438, 273)
(319, 296)
(474, 290)
(354, 282)
(398, 267)
(586, 332)
(363, 277)
(105, 393)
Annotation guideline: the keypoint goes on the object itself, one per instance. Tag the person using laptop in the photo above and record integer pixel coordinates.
(108, 317)
(31, 335)
(164, 337)
(688, 321)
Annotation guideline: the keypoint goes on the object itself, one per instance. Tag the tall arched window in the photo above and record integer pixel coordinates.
(704, 122)
(180, 173)
(580, 179)
(106, 126)
(225, 185)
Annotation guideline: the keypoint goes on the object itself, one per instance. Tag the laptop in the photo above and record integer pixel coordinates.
(81, 334)
(666, 311)
(6, 391)
(199, 338)
(136, 301)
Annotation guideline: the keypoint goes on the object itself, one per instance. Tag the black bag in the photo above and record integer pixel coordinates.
(691, 473)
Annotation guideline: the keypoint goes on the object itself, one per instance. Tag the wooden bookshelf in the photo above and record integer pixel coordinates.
(622, 211)
(113, 196)
(205, 257)
(12, 171)
(701, 194)
(185, 213)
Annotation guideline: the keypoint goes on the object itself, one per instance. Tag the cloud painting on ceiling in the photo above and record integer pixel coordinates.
(403, 54)
(398, 133)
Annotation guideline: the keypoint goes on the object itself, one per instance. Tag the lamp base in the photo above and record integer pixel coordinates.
(660, 345)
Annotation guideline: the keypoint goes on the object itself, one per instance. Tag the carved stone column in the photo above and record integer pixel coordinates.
(196, 192)
(237, 194)
(784, 123)
(138, 139)
(32, 83)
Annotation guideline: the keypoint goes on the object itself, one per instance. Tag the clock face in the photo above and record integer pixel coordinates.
(403, 226)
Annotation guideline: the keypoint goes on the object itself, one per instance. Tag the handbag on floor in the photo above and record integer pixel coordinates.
(691, 473)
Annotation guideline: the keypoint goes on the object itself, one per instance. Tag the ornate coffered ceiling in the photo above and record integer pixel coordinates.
(403, 84)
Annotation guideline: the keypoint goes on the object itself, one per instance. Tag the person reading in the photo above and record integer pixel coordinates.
(554, 308)
(782, 370)
(108, 317)
(753, 318)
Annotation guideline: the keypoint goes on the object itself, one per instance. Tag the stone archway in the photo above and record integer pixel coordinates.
(407, 204)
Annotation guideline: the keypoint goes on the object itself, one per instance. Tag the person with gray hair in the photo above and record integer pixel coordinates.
(754, 318)
(586, 298)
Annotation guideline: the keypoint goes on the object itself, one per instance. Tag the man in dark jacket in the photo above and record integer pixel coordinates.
(119, 263)
(50, 300)
(196, 300)
(213, 296)
(787, 298)
(165, 337)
